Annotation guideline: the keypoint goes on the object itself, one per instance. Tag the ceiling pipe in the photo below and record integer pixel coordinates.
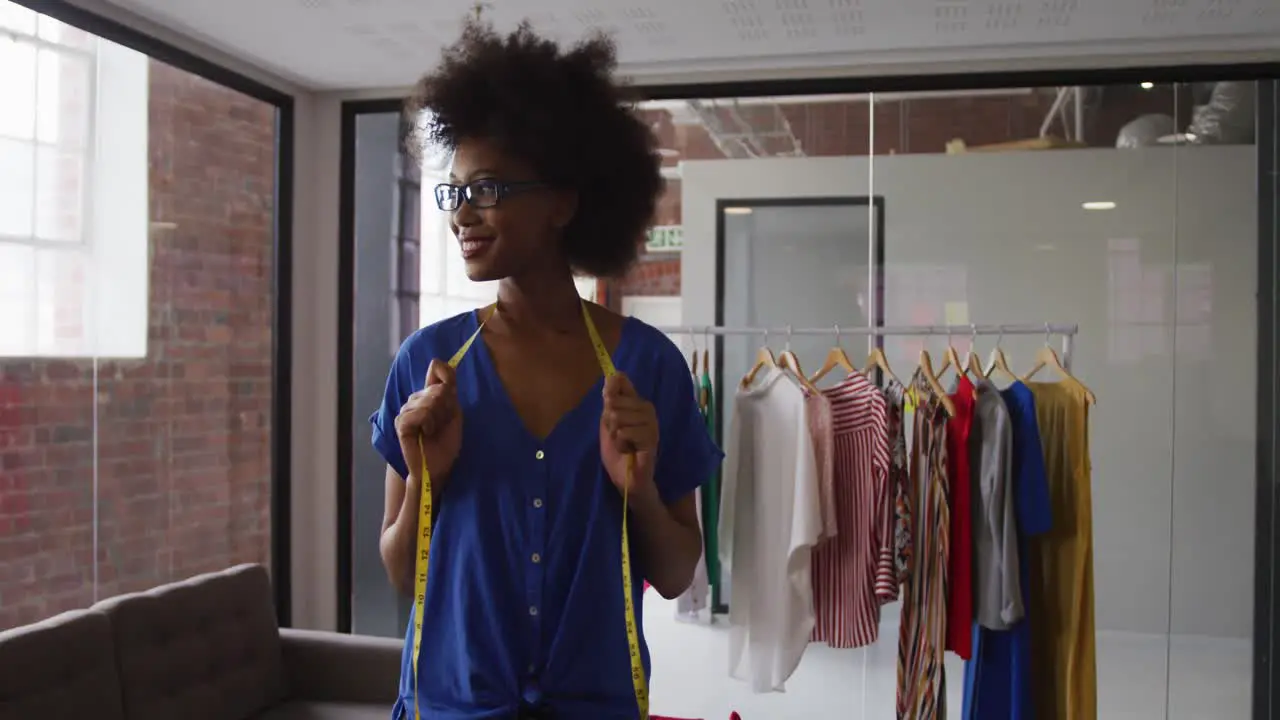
(844, 98)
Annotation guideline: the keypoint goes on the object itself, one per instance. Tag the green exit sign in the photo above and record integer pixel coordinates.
(665, 238)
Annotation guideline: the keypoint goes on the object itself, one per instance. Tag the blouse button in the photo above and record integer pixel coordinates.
(537, 502)
(533, 611)
(539, 455)
(536, 558)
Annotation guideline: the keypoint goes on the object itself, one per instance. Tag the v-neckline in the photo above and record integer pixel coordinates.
(500, 388)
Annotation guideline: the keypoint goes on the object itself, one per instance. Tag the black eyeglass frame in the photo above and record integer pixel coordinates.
(504, 189)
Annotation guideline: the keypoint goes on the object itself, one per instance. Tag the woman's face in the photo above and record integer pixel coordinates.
(512, 224)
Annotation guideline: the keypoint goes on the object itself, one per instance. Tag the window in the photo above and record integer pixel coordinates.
(136, 357)
(73, 248)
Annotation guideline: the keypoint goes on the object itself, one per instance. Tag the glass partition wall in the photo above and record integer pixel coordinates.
(143, 257)
(1135, 211)
(1128, 210)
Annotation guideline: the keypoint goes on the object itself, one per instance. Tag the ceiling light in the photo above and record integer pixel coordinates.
(1148, 85)
(737, 211)
(1099, 205)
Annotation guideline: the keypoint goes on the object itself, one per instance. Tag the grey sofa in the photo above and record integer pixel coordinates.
(203, 649)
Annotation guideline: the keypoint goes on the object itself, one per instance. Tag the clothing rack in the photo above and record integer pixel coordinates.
(1048, 330)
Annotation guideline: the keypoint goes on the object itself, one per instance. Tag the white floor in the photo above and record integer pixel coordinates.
(1208, 678)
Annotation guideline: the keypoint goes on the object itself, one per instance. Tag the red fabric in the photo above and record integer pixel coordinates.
(960, 561)
(646, 585)
(731, 716)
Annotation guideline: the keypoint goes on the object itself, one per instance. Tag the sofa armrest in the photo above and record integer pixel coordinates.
(335, 667)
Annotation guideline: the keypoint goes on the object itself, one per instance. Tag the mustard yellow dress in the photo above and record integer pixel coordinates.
(1064, 679)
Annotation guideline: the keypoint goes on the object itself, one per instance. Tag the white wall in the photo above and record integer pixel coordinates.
(1162, 287)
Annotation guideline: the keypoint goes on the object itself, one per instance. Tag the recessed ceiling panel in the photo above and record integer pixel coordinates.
(383, 43)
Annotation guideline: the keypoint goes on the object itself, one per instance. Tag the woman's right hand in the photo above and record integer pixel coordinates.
(434, 416)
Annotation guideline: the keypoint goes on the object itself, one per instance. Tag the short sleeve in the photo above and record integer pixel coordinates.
(400, 385)
(728, 509)
(687, 455)
(806, 508)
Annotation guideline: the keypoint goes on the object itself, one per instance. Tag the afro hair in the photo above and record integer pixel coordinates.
(560, 111)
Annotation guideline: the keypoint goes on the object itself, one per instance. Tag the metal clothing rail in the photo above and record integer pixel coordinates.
(1048, 330)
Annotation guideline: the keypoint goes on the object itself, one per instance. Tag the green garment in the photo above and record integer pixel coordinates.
(710, 495)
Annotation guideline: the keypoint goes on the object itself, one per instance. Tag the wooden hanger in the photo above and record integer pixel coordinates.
(998, 361)
(877, 359)
(951, 359)
(1048, 357)
(925, 368)
(764, 359)
(697, 386)
(836, 358)
(1001, 363)
(973, 364)
(706, 351)
(787, 359)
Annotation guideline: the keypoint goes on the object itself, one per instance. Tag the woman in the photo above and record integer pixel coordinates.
(526, 442)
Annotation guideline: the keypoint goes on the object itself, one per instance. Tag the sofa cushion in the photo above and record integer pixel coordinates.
(61, 669)
(202, 649)
(327, 711)
(330, 666)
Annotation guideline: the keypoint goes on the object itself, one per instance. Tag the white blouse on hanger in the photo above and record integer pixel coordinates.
(770, 520)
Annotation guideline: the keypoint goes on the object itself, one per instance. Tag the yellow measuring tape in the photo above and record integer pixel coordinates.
(424, 537)
(633, 632)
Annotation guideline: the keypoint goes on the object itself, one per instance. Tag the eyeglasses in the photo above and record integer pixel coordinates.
(485, 193)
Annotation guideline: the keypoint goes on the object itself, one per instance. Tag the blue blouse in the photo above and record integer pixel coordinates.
(524, 603)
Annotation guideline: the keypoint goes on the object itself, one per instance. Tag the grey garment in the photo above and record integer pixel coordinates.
(998, 596)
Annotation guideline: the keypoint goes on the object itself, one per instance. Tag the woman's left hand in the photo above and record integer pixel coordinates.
(629, 424)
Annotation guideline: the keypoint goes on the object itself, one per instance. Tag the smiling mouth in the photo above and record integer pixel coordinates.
(474, 247)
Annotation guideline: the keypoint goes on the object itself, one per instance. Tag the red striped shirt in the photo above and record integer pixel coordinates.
(853, 573)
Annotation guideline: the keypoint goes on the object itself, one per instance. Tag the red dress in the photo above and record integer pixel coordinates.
(960, 564)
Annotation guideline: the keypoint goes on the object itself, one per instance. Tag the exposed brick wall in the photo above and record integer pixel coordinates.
(183, 437)
(923, 125)
(654, 275)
